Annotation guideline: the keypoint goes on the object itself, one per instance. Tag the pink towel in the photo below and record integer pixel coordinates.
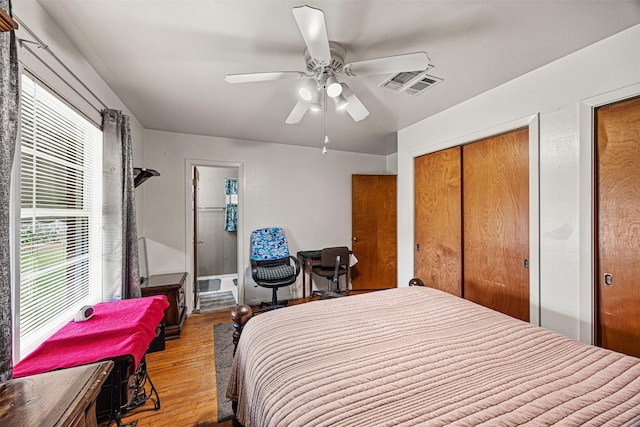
(117, 328)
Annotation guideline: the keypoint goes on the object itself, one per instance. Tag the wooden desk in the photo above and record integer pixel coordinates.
(172, 286)
(307, 260)
(66, 397)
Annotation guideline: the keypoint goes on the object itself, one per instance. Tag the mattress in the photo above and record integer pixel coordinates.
(418, 356)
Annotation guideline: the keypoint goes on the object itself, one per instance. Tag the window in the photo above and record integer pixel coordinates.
(60, 214)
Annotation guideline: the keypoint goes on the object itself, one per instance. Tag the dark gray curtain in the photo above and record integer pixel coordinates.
(8, 134)
(121, 276)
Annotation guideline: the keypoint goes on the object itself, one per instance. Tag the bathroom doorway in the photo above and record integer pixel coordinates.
(215, 248)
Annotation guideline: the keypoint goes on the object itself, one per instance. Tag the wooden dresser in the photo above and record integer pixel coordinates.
(66, 397)
(172, 286)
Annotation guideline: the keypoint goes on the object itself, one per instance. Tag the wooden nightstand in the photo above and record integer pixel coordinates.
(172, 286)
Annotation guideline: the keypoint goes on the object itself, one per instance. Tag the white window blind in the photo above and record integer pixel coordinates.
(60, 214)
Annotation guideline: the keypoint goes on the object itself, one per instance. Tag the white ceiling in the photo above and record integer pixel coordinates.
(166, 60)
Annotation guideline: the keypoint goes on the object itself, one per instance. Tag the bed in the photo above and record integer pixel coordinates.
(418, 356)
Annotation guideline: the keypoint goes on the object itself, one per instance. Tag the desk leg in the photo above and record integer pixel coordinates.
(309, 271)
(140, 386)
(304, 282)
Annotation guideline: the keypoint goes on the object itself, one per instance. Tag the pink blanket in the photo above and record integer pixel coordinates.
(117, 328)
(420, 357)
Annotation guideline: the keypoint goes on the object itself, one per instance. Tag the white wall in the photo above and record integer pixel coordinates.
(297, 188)
(558, 92)
(392, 163)
(37, 20)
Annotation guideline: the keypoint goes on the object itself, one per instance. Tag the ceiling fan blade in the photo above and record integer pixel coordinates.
(263, 77)
(355, 107)
(314, 32)
(417, 61)
(298, 112)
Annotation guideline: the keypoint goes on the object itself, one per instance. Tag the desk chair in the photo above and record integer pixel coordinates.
(271, 263)
(334, 262)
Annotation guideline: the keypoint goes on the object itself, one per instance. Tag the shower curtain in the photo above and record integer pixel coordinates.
(231, 207)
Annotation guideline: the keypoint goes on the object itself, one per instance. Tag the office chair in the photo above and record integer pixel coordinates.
(334, 262)
(270, 263)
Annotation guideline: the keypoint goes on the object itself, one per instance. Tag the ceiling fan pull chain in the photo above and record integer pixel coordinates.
(324, 119)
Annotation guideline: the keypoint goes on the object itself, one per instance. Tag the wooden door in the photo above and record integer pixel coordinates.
(496, 223)
(618, 227)
(438, 220)
(196, 179)
(374, 231)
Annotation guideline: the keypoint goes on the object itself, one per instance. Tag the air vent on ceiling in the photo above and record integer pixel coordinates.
(411, 82)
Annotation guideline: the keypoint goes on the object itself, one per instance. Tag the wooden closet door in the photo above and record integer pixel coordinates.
(438, 220)
(496, 223)
(618, 224)
(374, 228)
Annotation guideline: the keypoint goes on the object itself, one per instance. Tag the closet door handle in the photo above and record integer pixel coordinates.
(355, 239)
(608, 279)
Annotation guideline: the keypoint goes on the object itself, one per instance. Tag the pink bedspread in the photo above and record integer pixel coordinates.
(117, 328)
(420, 357)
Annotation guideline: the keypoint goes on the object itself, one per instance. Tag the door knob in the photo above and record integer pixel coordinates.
(608, 279)
(199, 242)
(355, 239)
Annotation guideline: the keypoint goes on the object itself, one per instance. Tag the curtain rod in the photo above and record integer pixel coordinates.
(42, 45)
(61, 78)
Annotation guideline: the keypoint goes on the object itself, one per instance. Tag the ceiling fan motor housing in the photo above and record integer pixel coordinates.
(335, 66)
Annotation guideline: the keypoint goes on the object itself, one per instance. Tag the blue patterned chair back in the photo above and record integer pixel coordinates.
(269, 244)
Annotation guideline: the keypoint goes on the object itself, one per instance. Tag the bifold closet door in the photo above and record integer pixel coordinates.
(496, 223)
(438, 220)
(618, 225)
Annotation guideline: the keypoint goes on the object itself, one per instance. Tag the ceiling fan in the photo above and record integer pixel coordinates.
(325, 62)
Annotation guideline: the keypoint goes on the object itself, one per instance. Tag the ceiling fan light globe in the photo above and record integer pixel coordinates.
(340, 102)
(315, 106)
(305, 94)
(307, 91)
(334, 88)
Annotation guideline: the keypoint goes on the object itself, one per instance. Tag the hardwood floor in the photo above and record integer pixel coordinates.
(184, 374)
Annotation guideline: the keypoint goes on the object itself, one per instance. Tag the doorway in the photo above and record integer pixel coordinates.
(215, 239)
